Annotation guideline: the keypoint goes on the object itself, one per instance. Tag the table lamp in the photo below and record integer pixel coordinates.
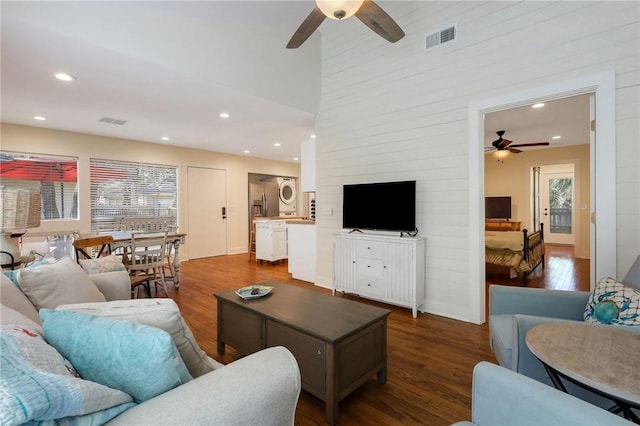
(19, 211)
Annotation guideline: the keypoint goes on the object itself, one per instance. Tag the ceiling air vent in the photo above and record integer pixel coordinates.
(440, 37)
(112, 121)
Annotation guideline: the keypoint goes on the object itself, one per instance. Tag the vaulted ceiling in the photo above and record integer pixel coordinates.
(168, 69)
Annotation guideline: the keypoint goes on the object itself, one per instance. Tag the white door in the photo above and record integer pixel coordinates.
(557, 202)
(206, 192)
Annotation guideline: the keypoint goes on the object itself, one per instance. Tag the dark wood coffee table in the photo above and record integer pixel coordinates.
(338, 343)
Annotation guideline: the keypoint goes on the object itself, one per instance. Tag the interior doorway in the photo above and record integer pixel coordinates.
(602, 187)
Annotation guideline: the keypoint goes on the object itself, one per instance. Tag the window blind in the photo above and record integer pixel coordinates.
(125, 191)
(55, 177)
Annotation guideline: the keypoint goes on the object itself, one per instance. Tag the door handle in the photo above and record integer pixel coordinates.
(265, 208)
(224, 212)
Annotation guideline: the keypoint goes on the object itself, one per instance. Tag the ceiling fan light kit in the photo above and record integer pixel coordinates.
(339, 9)
(368, 12)
(501, 155)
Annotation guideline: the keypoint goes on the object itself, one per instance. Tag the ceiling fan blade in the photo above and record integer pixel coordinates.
(515, 151)
(379, 21)
(505, 143)
(531, 144)
(489, 149)
(308, 26)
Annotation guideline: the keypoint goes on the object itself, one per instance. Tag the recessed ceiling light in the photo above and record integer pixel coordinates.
(65, 77)
(39, 117)
(296, 158)
(313, 136)
(224, 115)
(246, 151)
(538, 105)
(164, 138)
(276, 144)
(557, 137)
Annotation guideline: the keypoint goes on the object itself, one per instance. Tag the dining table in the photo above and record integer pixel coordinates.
(122, 239)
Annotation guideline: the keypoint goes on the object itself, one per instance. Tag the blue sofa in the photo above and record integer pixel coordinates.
(514, 310)
(504, 398)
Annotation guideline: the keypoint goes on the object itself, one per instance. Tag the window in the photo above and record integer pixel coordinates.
(55, 177)
(122, 191)
(560, 205)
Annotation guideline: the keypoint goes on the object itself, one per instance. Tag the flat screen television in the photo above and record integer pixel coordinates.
(383, 206)
(497, 208)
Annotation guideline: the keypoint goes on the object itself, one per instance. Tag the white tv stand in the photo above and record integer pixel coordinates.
(385, 268)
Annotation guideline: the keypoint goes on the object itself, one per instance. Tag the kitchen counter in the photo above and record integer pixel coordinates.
(258, 218)
(271, 240)
(302, 249)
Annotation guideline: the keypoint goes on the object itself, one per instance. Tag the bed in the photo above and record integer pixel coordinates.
(520, 251)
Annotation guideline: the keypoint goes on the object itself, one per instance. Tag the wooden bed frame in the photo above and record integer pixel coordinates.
(533, 252)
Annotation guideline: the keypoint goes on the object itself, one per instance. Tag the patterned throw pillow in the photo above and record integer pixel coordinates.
(108, 263)
(612, 302)
(37, 383)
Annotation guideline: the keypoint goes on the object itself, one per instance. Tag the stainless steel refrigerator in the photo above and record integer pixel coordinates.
(263, 199)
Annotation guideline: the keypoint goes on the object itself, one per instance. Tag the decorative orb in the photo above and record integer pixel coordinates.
(606, 312)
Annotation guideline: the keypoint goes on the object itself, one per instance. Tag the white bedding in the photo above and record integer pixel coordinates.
(506, 240)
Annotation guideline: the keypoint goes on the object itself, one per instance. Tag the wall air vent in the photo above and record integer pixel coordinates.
(440, 37)
(113, 121)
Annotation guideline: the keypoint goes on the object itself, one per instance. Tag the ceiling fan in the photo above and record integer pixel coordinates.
(501, 144)
(366, 11)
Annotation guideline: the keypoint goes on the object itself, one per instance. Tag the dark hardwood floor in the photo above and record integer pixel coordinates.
(562, 271)
(430, 358)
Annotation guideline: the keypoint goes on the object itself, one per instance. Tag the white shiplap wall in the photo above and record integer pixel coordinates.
(394, 112)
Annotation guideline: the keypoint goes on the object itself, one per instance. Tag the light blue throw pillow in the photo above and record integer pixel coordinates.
(137, 359)
(13, 274)
(93, 419)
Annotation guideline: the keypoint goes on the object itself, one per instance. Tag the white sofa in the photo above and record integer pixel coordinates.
(260, 389)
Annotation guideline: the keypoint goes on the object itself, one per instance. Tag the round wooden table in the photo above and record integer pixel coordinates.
(602, 358)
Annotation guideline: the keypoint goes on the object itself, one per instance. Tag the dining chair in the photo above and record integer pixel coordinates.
(170, 253)
(148, 252)
(252, 241)
(94, 247)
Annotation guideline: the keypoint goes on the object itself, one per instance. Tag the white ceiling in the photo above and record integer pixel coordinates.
(169, 68)
(568, 118)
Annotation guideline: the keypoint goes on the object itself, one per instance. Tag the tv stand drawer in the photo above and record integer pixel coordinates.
(370, 249)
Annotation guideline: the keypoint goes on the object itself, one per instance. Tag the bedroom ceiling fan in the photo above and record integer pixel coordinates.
(366, 11)
(501, 144)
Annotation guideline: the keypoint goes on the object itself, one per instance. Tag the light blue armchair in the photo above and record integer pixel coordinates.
(514, 310)
(501, 397)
